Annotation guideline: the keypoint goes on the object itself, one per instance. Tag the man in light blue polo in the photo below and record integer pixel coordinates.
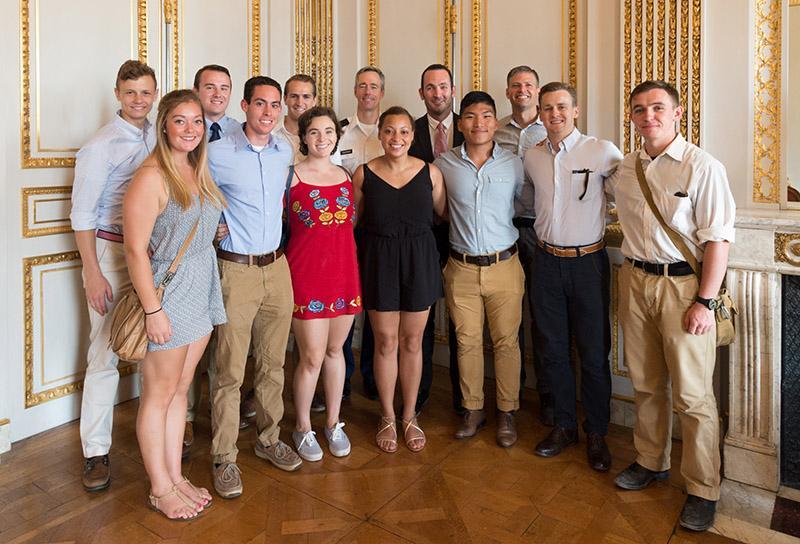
(250, 165)
(483, 274)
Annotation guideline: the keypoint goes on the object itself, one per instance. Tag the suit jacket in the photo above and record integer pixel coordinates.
(421, 147)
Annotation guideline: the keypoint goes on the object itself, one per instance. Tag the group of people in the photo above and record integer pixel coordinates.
(316, 219)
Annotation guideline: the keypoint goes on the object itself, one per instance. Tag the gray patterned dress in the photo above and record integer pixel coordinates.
(193, 299)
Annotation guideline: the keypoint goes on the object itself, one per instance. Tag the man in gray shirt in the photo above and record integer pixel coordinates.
(483, 274)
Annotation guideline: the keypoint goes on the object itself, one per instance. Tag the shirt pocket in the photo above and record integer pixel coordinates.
(677, 212)
(584, 185)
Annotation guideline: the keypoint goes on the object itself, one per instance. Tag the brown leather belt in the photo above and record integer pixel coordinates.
(110, 236)
(251, 260)
(484, 260)
(572, 251)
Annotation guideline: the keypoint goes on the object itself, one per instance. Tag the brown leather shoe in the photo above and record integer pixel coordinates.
(472, 422)
(558, 439)
(96, 473)
(506, 430)
(597, 452)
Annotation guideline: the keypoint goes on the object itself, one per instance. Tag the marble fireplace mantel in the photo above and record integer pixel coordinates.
(767, 246)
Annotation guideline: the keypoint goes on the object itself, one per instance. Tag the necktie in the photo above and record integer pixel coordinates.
(440, 141)
(215, 128)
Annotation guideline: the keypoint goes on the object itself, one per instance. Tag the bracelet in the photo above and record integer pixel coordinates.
(154, 312)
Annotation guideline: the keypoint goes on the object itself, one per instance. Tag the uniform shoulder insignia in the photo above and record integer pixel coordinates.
(344, 122)
(540, 144)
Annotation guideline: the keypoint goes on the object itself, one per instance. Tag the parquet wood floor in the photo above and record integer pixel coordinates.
(454, 491)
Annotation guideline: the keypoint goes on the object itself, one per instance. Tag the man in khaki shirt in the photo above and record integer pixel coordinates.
(666, 313)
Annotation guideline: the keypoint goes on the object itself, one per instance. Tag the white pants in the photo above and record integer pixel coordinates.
(102, 377)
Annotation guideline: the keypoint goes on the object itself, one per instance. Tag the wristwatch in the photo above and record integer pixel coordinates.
(710, 303)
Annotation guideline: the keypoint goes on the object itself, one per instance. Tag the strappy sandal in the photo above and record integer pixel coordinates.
(205, 496)
(418, 440)
(389, 427)
(153, 501)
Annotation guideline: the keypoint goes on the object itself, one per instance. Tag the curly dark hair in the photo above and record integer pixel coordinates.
(305, 121)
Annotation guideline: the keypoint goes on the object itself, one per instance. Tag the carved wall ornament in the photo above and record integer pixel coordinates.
(787, 248)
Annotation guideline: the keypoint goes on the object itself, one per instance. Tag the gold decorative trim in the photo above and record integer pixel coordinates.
(573, 42)
(28, 192)
(673, 43)
(794, 3)
(787, 248)
(28, 161)
(648, 39)
(255, 38)
(767, 102)
(372, 32)
(314, 44)
(684, 38)
(616, 369)
(697, 74)
(626, 54)
(176, 44)
(31, 398)
(661, 41)
(613, 236)
(477, 45)
(4, 421)
(450, 29)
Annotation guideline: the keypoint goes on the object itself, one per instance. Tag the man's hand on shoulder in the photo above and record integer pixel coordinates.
(698, 319)
(98, 290)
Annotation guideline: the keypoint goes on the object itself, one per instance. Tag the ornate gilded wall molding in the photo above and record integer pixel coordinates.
(662, 39)
(787, 248)
(372, 32)
(4, 421)
(767, 102)
(572, 40)
(27, 160)
(35, 398)
(314, 44)
(477, 44)
(255, 37)
(30, 225)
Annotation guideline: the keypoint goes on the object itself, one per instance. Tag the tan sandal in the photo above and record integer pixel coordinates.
(388, 426)
(418, 440)
(201, 492)
(154, 500)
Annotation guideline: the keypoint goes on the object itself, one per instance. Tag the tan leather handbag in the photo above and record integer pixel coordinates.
(723, 314)
(128, 332)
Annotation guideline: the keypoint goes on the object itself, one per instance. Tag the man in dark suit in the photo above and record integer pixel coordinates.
(434, 133)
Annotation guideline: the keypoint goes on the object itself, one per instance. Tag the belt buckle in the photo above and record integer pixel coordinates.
(483, 260)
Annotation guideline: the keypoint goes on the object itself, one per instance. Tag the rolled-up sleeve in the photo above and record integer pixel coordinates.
(715, 209)
(92, 169)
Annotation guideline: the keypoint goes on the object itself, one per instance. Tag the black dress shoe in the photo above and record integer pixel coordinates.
(597, 452)
(636, 477)
(698, 513)
(547, 414)
(558, 439)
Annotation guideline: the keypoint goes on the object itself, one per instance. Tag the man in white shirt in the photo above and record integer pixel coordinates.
(571, 275)
(517, 133)
(666, 313)
(103, 169)
(359, 143)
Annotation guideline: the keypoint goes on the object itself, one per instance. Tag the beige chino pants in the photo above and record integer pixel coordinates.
(497, 291)
(659, 351)
(259, 303)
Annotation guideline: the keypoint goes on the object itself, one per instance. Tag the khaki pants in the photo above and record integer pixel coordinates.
(258, 300)
(497, 290)
(658, 350)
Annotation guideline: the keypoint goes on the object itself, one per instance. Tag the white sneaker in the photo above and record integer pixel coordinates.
(307, 445)
(338, 443)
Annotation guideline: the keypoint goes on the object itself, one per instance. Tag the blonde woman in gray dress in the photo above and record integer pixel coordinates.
(170, 194)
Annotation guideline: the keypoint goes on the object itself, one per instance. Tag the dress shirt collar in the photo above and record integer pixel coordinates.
(675, 149)
(363, 127)
(433, 123)
(241, 141)
(131, 129)
(567, 143)
(496, 150)
(512, 122)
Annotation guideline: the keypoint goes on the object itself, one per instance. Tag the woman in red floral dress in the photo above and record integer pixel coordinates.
(327, 290)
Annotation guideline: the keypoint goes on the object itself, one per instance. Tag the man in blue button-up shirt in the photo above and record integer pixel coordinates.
(250, 165)
(103, 169)
(483, 273)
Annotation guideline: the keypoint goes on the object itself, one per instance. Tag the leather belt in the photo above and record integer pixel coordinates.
(110, 236)
(250, 260)
(484, 260)
(681, 268)
(523, 222)
(572, 251)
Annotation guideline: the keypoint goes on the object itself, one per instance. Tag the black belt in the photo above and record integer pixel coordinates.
(523, 222)
(484, 260)
(681, 268)
(251, 260)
